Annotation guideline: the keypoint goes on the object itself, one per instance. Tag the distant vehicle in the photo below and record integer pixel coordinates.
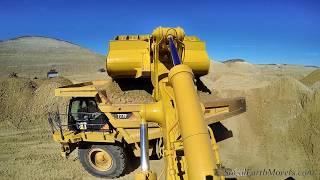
(13, 75)
(52, 73)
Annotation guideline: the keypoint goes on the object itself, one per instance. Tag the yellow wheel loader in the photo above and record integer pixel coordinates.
(176, 126)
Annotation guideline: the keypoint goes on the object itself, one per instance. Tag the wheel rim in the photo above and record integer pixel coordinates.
(100, 159)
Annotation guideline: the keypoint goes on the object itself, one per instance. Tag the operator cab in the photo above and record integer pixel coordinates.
(84, 114)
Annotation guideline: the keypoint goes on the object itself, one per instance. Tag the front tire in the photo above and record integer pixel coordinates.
(107, 161)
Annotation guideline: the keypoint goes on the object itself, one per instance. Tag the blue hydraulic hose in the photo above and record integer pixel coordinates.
(174, 53)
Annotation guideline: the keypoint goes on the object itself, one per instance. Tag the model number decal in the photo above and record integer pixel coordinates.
(122, 115)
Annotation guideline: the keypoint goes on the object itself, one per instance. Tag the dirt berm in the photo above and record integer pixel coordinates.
(25, 103)
(280, 129)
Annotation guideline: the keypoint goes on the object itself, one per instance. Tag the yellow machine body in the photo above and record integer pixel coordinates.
(192, 124)
(177, 115)
(131, 56)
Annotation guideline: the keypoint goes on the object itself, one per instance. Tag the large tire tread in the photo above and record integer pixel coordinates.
(118, 156)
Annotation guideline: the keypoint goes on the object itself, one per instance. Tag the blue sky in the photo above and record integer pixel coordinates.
(260, 31)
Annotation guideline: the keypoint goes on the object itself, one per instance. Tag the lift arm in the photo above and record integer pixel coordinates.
(193, 127)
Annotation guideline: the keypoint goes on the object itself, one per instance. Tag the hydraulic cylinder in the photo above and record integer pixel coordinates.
(196, 141)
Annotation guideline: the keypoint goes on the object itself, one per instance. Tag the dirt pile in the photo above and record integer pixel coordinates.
(307, 129)
(26, 102)
(311, 78)
(44, 100)
(279, 129)
(118, 96)
(230, 75)
(242, 67)
(15, 96)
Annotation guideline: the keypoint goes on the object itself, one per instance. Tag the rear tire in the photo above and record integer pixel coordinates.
(107, 161)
